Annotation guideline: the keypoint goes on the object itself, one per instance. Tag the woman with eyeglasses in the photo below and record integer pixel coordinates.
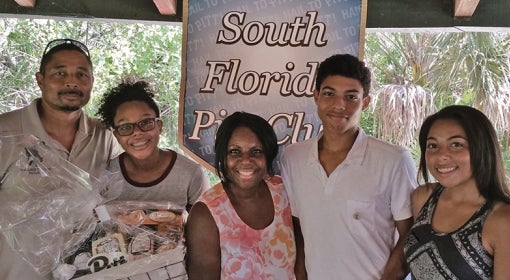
(144, 171)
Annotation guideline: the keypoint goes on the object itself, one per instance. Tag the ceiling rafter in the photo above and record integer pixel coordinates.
(465, 8)
(26, 3)
(165, 7)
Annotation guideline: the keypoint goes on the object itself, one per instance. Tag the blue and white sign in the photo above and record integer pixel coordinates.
(259, 57)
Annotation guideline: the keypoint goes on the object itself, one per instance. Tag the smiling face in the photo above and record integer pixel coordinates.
(339, 103)
(141, 144)
(67, 81)
(246, 160)
(447, 154)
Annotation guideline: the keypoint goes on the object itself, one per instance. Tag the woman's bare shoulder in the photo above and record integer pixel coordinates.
(424, 191)
(420, 196)
(500, 214)
(497, 228)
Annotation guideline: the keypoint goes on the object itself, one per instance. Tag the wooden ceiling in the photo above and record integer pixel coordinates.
(463, 8)
(165, 7)
(397, 15)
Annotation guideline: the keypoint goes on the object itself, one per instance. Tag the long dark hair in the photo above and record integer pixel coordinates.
(485, 154)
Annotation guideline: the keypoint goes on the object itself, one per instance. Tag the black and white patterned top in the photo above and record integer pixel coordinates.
(456, 255)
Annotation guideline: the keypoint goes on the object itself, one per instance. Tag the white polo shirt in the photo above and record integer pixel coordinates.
(348, 219)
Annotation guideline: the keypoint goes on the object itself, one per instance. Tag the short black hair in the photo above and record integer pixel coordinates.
(344, 65)
(129, 89)
(57, 45)
(484, 152)
(257, 125)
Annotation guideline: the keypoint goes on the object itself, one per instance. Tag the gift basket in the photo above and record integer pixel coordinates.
(45, 202)
(133, 238)
(56, 217)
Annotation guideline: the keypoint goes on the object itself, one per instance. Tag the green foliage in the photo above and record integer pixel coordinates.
(456, 68)
(467, 68)
(367, 122)
(151, 52)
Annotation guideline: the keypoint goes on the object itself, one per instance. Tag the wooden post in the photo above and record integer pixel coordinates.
(26, 3)
(465, 8)
(166, 7)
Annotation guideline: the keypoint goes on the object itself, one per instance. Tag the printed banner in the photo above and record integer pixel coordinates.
(260, 57)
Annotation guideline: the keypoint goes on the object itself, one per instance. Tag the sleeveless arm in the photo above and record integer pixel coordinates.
(496, 232)
(419, 197)
(203, 259)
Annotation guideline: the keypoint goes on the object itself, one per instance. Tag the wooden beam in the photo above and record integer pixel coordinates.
(166, 7)
(465, 8)
(26, 3)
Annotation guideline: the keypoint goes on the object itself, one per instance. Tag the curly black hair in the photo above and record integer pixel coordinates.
(129, 89)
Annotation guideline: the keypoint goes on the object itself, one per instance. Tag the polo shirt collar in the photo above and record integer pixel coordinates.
(359, 149)
(313, 152)
(32, 121)
(355, 156)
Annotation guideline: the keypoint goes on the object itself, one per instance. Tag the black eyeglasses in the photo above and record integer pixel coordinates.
(126, 129)
(59, 42)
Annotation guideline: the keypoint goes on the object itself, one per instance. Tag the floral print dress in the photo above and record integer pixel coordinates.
(247, 253)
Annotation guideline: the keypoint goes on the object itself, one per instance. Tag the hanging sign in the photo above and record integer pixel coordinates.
(260, 57)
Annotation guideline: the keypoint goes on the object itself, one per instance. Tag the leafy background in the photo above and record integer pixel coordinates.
(415, 74)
